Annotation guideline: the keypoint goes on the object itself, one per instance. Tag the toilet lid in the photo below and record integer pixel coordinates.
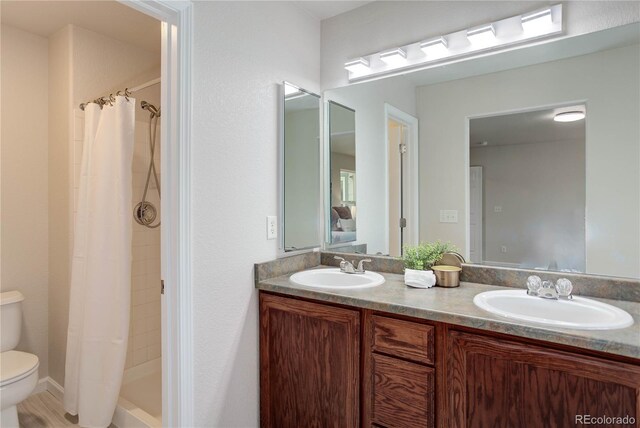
(15, 365)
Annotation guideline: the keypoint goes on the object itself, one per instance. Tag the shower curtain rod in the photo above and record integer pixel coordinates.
(109, 99)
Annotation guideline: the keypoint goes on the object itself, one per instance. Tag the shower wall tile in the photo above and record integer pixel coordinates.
(144, 330)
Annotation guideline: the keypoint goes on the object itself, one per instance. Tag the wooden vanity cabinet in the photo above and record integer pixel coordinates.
(494, 383)
(309, 364)
(398, 373)
(319, 368)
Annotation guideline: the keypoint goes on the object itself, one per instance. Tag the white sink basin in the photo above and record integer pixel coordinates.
(579, 313)
(333, 278)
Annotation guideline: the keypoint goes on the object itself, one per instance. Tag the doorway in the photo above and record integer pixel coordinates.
(402, 180)
(475, 214)
(63, 147)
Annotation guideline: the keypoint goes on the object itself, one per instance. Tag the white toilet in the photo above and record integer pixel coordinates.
(18, 370)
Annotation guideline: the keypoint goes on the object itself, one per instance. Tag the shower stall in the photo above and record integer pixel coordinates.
(139, 402)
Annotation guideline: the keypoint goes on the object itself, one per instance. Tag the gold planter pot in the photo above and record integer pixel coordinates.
(447, 276)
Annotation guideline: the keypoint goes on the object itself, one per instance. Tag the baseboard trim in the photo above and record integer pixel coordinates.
(41, 386)
(55, 389)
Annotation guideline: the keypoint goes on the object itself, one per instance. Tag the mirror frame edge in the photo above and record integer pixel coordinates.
(281, 252)
(327, 245)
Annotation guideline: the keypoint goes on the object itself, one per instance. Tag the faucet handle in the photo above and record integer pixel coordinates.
(548, 290)
(343, 262)
(534, 284)
(564, 288)
(361, 264)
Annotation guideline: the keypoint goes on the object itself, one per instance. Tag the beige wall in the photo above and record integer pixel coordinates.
(608, 82)
(60, 203)
(24, 204)
(84, 65)
(540, 189)
(395, 138)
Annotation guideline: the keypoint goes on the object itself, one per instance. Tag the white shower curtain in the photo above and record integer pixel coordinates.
(101, 266)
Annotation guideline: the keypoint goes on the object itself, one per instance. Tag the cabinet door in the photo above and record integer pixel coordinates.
(309, 364)
(498, 383)
(402, 393)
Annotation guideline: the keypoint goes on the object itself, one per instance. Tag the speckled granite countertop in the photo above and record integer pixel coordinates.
(455, 306)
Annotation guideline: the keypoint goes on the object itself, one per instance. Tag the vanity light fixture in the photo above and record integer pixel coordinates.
(357, 66)
(482, 36)
(494, 35)
(569, 116)
(435, 48)
(394, 57)
(537, 22)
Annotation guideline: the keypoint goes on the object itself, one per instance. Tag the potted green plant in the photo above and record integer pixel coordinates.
(419, 259)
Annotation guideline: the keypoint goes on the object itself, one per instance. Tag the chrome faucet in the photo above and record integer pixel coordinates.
(547, 290)
(348, 267)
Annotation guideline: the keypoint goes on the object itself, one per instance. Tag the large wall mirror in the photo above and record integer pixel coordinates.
(527, 189)
(342, 174)
(501, 172)
(300, 224)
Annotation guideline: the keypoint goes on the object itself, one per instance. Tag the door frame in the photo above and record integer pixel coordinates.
(479, 230)
(412, 173)
(177, 303)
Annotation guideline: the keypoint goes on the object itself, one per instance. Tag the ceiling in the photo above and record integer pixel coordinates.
(525, 128)
(120, 22)
(327, 9)
(344, 143)
(107, 17)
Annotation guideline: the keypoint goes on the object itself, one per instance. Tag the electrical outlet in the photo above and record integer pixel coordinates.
(272, 227)
(448, 216)
(497, 209)
(503, 249)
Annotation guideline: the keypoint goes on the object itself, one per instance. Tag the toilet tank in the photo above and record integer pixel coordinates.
(10, 319)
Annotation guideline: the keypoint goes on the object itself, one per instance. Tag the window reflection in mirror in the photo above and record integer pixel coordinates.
(342, 147)
(301, 172)
(527, 190)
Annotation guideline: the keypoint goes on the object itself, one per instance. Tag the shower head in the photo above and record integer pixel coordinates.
(150, 108)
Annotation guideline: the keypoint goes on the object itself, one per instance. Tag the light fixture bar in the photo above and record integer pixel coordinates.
(482, 36)
(495, 35)
(569, 116)
(358, 66)
(394, 57)
(536, 15)
(290, 89)
(537, 22)
(435, 48)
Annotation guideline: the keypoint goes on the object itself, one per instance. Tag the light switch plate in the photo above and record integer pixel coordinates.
(448, 216)
(272, 227)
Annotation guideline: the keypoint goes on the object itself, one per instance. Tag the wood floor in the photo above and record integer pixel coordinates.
(43, 410)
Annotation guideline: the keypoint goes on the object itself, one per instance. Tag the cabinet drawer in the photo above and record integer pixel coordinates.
(402, 393)
(403, 339)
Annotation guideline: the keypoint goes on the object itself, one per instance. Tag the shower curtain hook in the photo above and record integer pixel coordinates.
(124, 94)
